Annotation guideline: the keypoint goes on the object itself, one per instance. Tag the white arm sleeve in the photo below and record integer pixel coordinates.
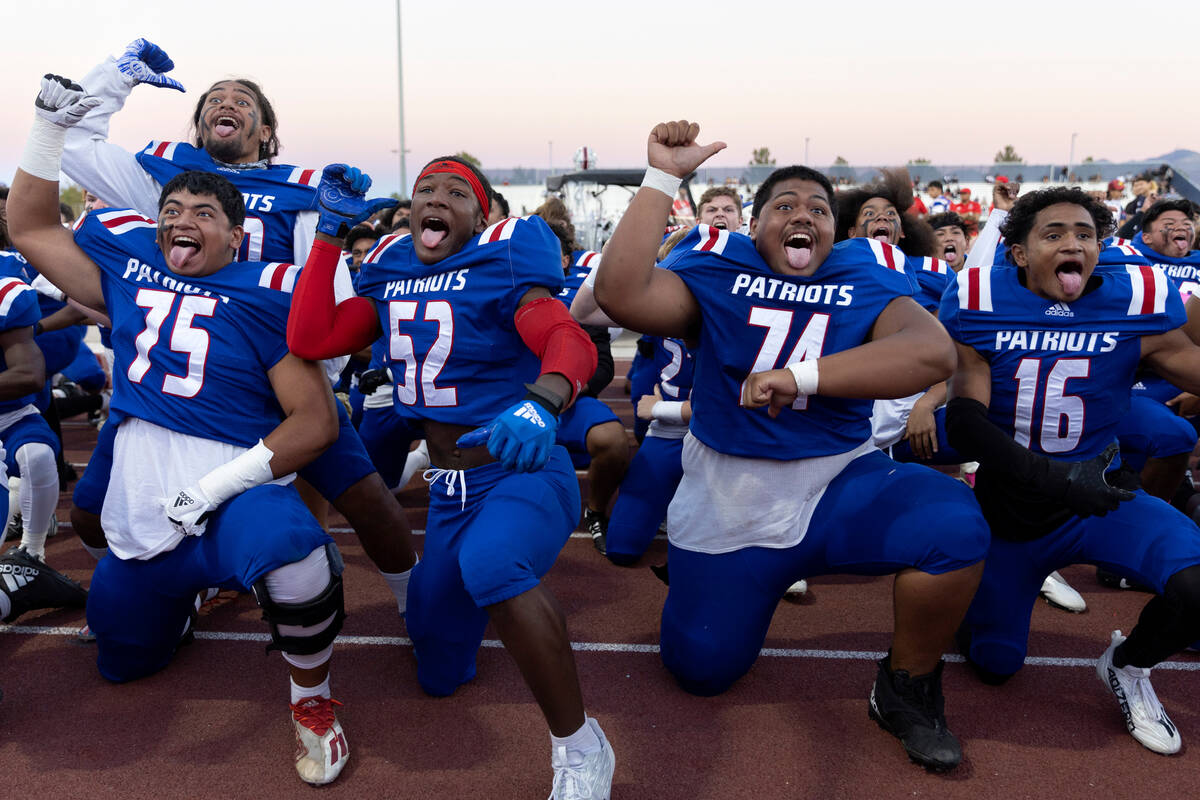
(983, 252)
(106, 170)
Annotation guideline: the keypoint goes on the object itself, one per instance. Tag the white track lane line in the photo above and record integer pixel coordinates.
(604, 647)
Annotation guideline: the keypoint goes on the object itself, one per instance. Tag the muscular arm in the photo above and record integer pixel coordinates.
(584, 307)
(629, 289)
(1175, 357)
(63, 318)
(106, 170)
(908, 350)
(34, 227)
(318, 326)
(25, 371)
(310, 422)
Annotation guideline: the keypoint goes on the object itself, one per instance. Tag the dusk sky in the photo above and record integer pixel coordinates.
(876, 83)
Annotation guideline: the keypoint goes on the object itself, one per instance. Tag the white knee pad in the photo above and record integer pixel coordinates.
(302, 602)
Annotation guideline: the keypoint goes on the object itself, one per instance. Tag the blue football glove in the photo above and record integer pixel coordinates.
(341, 197)
(145, 62)
(520, 438)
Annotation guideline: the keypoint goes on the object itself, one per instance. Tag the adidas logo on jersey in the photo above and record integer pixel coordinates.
(527, 411)
(1059, 310)
(183, 499)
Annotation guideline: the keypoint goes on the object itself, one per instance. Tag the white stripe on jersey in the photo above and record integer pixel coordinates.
(586, 257)
(931, 264)
(297, 176)
(10, 289)
(887, 255)
(712, 240)
(382, 246)
(281, 277)
(1158, 290)
(123, 221)
(499, 231)
(984, 278)
(168, 152)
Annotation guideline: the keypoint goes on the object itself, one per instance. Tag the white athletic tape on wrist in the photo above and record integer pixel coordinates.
(252, 468)
(665, 182)
(668, 411)
(805, 373)
(43, 150)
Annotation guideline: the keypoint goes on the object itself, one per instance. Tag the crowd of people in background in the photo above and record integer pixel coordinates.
(884, 378)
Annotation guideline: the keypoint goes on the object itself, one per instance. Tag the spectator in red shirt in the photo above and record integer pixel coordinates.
(967, 208)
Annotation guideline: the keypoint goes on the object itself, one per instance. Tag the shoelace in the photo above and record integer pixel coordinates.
(1144, 694)
(315, 713)
(569, 779)
(434, 474)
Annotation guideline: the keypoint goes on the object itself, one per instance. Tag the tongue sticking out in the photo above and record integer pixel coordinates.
(224, 130)
(179, 254)
(431, 238)
(798, 257)
(1071, 282)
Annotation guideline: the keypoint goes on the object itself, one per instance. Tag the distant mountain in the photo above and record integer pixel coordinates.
(1186, 161)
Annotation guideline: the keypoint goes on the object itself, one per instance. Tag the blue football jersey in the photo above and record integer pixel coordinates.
(675, 367)
(582, 264)
(933, 275)
(754, 319)
(453, 347)
(191, 354)
(18, 309)
(1061, 372)
(274, 195)
(1184, 272)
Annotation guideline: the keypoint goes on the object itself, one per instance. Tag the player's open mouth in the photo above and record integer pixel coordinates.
(882, 233)
(798, 249)
(949, 251)
(1181, 240)
(182, 249)
(720, 224)
(226, 125)
(433, 231)
(1070, 276)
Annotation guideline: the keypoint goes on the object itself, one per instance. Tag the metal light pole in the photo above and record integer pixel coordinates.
(1071, 156)
(806, 140)
(400, 84)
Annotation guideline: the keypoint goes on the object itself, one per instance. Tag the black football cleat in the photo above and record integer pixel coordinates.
(912, 710)
(31, 584)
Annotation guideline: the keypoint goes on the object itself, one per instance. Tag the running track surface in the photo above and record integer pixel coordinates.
(215, 723)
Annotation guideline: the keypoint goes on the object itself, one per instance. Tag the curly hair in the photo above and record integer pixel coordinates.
(896, 188)
(266, 150)
(1020, 221)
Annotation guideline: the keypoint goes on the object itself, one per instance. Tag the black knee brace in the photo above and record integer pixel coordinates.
(330, 602)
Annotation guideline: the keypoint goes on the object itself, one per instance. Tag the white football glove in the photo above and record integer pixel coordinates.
(63, 102)
(189, 510)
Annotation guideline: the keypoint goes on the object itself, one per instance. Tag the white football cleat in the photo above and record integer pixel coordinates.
(1145, 717)
(798, 588)
(583, 777)
(321, 749)
(1058, 593)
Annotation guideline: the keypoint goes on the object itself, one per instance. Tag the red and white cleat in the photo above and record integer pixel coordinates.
(321, 749)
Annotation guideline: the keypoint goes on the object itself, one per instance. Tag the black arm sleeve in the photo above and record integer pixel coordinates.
(603, 375)
(1131, 226)
(977, 438)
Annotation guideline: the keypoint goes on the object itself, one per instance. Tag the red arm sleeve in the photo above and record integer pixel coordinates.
(317, 326)
(548, 329)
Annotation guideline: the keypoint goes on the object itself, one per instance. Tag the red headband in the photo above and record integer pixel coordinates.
(464, 172)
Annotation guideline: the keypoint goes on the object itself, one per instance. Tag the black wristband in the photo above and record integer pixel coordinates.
(545, 398)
